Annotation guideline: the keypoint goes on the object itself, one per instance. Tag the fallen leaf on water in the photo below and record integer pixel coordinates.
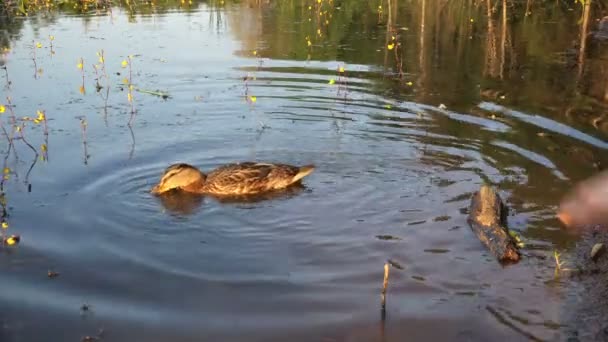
(12, 240)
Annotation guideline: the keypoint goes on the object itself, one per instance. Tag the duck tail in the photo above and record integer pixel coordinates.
(303, 172)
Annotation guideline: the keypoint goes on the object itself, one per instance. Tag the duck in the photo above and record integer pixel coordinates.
(236, 179)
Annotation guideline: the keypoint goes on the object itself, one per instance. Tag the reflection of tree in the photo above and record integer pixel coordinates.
(491, 64)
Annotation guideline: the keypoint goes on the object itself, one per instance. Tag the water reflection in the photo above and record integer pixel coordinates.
(181, 203)
(184, 203)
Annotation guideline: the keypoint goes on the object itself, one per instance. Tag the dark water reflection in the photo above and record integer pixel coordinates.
(400, 137)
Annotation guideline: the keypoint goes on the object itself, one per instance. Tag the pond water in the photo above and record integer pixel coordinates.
(405, 109)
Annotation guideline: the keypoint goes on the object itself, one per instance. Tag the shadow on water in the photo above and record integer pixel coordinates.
(405, 108)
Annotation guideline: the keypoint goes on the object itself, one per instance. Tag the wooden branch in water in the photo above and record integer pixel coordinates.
(486, 218)
(383, 294)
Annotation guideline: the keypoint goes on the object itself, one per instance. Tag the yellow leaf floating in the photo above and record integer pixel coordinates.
(39, 45)
(390, 46)
(124, 63)
(253, 98)
(12, 240)
(6, 170)
(4, 225)
(81, 90)
(332, 81)
(2, 109)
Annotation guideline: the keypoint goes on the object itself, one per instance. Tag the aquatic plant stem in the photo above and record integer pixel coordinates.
(83, 128)
(8, 81)
(34, 59)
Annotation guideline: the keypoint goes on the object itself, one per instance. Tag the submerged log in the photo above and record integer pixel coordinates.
(487, 218)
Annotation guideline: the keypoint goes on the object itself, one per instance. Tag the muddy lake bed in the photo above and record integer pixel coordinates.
(405, 109)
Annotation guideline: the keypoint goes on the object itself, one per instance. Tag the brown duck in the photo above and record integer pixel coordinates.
(232, 179)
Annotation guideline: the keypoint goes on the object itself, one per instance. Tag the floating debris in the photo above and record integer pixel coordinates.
(597, 251)
(442, 218)
(52, 274)
(161, 94)
(436, 250)
(518, 240)
(387, 237)
(395, 264)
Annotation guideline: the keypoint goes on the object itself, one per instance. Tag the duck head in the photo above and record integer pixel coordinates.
(180, 176)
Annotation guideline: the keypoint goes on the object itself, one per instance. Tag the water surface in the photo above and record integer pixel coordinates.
(401, 137)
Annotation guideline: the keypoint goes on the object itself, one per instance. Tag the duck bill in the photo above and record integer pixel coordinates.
(155, 190)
